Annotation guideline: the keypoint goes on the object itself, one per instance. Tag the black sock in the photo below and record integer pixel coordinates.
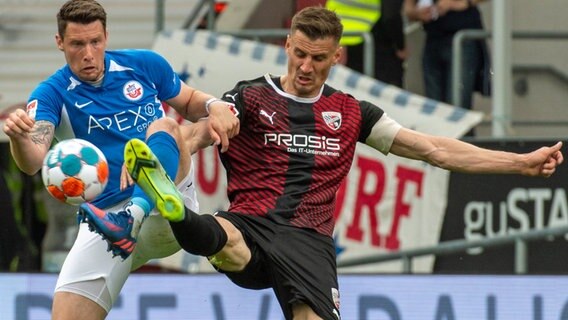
(199, 234)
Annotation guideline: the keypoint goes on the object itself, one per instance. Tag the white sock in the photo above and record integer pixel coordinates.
(138, 214)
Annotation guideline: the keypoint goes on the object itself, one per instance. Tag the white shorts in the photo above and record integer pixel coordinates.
(91, 271)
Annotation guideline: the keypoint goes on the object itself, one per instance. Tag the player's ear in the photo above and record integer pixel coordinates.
(59, 42)
(287, 44)
(338, 54)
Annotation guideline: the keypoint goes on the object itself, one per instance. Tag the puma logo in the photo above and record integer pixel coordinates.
(233, 97)
(269, 117)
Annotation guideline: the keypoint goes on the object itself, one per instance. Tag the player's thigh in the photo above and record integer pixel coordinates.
(156, 240)
(302, 311)
(236, 254)
(304, 270)
(91, 271)
(71, 306)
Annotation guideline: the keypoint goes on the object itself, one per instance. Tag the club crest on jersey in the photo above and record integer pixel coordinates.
(133, 90)
(332, 119)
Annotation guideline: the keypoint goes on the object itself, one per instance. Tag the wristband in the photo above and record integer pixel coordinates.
(229, 105)
(209, 102)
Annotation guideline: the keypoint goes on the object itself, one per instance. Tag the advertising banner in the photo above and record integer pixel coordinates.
(362, 297)
(487, 206)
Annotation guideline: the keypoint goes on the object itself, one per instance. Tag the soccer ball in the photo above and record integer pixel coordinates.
(74, 171)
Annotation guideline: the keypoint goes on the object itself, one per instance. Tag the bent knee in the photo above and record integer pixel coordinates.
(235, 255)
(234, 236)
(166, 124)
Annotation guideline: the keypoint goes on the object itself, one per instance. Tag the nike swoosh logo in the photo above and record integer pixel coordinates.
(80, 106)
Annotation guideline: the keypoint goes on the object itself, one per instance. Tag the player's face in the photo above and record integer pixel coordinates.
(309, 63)
(84, 48)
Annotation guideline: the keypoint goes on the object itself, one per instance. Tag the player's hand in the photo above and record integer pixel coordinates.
(543, 161)
(125, 178)
(18, 124)
(223, 123)
(427, 14)
(402, 54)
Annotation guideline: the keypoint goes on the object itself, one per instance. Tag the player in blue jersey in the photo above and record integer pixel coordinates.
(296, 145)
(108, 98)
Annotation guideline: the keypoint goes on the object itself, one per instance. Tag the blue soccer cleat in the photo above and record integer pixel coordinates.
(115, 228)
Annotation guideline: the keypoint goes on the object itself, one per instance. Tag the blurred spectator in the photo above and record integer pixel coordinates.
(390, 49)
(21, 224)
(10, 237)
(388, 38)
(356, 16)
(442, 19)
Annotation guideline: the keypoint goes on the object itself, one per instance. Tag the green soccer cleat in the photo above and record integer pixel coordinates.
(146, 170)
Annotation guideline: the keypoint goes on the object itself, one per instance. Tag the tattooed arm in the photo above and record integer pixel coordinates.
(29, 140)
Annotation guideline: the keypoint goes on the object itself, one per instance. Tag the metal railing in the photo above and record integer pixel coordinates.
(257, 34)
(454, 246)
(192, 18)
(471, 34)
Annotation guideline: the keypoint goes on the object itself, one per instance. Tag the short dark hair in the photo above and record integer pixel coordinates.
(79, 11)
(317, 22)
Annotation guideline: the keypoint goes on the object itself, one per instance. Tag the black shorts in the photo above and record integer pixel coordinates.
(298, 264)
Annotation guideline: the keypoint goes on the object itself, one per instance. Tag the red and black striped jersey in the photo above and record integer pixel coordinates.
(292, 153)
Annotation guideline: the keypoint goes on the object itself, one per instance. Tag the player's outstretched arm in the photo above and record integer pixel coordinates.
(191, 104)
(29, 140)
(456, 155)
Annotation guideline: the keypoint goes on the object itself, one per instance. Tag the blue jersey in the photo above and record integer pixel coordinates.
(127, 101)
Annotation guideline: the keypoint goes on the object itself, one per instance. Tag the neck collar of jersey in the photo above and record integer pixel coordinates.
(276, 84)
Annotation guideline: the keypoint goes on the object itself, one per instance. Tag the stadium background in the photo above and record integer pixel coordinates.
(439, 208)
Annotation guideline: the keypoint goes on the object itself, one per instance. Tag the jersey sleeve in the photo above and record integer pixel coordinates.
(235, 96)
(378, 130)
(162, 74)
(45, 104)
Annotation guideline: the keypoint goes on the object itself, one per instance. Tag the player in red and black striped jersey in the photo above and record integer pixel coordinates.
(293, 152)
(296, 143)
